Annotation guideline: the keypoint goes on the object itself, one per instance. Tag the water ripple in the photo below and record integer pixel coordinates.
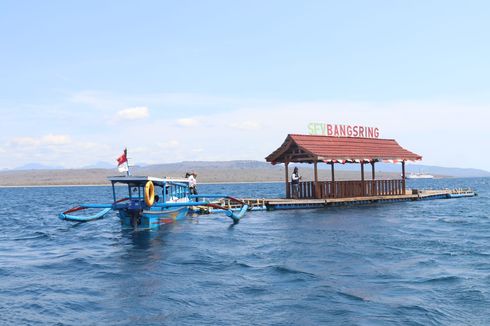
(418, 263)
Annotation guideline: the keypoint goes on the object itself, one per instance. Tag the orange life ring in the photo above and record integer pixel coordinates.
(149, 193)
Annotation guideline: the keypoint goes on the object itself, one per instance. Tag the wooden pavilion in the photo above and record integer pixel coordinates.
(316, 149)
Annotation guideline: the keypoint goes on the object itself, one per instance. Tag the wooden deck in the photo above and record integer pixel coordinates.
(412, 195)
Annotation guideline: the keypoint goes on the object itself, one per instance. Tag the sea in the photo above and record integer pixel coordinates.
(408, 263)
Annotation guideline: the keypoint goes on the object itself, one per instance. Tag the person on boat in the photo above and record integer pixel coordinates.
(191, 176)
(295, 177)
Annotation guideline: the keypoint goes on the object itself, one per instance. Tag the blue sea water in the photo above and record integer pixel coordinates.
(410, 263)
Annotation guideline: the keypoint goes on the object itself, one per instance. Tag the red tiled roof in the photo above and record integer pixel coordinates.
(307, 148)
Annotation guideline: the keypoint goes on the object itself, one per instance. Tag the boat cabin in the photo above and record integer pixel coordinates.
(167, 190)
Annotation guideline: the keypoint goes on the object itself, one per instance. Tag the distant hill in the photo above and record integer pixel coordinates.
(37, 166)
(416, 168)
(216, 171)
(190, 165)
(100, 165)
(438, 170)
(252, 165)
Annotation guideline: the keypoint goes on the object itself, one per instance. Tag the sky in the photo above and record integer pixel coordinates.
(223, 80)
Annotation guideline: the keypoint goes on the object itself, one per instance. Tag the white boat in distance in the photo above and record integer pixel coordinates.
(419, 176)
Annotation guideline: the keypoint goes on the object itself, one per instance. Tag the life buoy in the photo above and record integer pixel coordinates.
(149, 193)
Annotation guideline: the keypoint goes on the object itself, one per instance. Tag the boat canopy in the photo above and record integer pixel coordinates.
(142, 180)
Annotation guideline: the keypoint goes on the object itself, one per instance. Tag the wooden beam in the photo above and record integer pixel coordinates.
(315, 166)
(301, 159)
(286, 170)
(299, 155)
(373, 177)
(362, 171)
(363, 189)
(317, 195)
(280, 151)
(403, 178)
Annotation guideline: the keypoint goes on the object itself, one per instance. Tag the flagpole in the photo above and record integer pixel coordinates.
(127, 162)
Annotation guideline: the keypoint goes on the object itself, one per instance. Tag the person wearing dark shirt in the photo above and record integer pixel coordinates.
(295, 177)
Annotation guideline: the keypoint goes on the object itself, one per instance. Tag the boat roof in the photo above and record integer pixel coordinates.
(144, 179)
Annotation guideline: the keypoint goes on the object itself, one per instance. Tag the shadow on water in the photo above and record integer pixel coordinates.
(76, 224)
(146, 239)
(232, 225)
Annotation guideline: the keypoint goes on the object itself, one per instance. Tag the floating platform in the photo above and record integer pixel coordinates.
(412, 195)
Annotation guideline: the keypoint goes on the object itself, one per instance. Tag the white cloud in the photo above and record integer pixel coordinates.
(25, 141)
(98, 100)
(49, 139)
(188, 122)
(88, 145)
(105, 100)
(55, 140)
(246, 125)
(234, 128)
(135, 113)
(172, 143)
(430, 128)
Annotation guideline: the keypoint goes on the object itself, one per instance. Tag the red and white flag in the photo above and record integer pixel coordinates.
(122, 162)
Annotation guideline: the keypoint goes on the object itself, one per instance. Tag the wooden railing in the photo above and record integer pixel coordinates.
(345, 189)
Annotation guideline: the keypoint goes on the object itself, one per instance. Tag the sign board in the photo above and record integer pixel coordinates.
(334, 130)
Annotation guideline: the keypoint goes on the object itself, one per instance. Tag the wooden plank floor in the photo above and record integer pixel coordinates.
(283, 203)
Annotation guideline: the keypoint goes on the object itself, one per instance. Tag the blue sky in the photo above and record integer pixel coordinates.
(215, 80)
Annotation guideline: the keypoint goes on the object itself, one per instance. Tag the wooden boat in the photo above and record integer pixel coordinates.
(151, 202)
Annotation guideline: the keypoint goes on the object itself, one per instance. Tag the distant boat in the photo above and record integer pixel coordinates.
(419, 176)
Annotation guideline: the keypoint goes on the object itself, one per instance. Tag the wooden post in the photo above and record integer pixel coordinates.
(403, 178)
(317, 195)
(334, 190)
(286, 164)
(363, 188)
(373, 177)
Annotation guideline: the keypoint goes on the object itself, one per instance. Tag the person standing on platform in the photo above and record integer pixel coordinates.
(192, 182)
(295, 177)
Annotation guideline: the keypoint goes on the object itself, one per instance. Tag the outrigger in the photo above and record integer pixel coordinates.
(152, 202)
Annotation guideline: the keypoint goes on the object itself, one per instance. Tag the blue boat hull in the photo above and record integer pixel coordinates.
(152, 218)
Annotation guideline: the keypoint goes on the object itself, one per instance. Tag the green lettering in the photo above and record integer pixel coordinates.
(313, 128)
